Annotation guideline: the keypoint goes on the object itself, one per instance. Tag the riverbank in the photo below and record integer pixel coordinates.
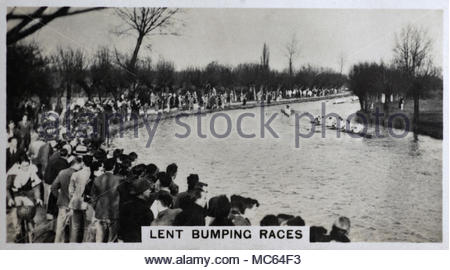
(430, 116)
(114, 129)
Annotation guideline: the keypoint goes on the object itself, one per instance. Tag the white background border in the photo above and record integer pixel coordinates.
(370, 260)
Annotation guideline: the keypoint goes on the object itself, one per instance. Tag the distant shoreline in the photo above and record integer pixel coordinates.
(114, 129)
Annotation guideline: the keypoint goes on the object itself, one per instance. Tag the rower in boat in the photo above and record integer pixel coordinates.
(332, 123)
(357, 128)
(317, 120)
(287, 111)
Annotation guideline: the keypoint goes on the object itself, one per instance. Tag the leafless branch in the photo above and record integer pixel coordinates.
(412, 50)
(145, 22)
(291, 51)
(26, 26)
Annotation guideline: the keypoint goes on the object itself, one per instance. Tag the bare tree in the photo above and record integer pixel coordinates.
(341, 61)
(72, 66)
(145, 22)
(413, 56)
(27, 24)
(165, 74)
(105, 77)
(265, 56)
(291, 51)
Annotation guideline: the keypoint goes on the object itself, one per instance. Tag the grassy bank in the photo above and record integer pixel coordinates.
(430, 116)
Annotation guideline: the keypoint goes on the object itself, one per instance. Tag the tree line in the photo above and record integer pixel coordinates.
(99, 76)
(411, 74)
(108, 73)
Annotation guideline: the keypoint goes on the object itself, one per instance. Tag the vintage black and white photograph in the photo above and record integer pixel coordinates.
(123, 118)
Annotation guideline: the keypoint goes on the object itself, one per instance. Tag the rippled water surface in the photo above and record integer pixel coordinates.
(390, 188)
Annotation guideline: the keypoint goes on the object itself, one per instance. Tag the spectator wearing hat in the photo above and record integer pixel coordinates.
(81, 150)
(100, 155)
(60, 189)
(77, 185)
(165, 215)
(125, 189)
(105, 199)
(135, 212)
(219, 208)
(193, 182)
(193, 207)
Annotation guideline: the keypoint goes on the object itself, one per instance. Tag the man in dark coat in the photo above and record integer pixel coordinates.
(219, 208)
(24, 131)
(171, 171)
(135, 212)
(12, 152)
(193, 207)
(44, 154)
(193, 182)
(56, 163)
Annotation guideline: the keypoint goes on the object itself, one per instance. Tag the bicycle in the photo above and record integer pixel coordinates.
(26, 214)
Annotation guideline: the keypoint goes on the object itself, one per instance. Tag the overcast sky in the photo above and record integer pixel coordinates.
(233, 36)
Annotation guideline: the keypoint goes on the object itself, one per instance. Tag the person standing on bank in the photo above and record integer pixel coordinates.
(193, 182)
(24, 131)
(171, 171)
(12, 153)
(22, 190)
(105, 200)
(56, 163)
(11, 130)
(77, 185)
(219, 209)
(135, 212)
(60, 189)
(193, 206)
(165, 215)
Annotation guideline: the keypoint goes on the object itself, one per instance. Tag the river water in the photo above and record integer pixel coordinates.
(390, 188)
